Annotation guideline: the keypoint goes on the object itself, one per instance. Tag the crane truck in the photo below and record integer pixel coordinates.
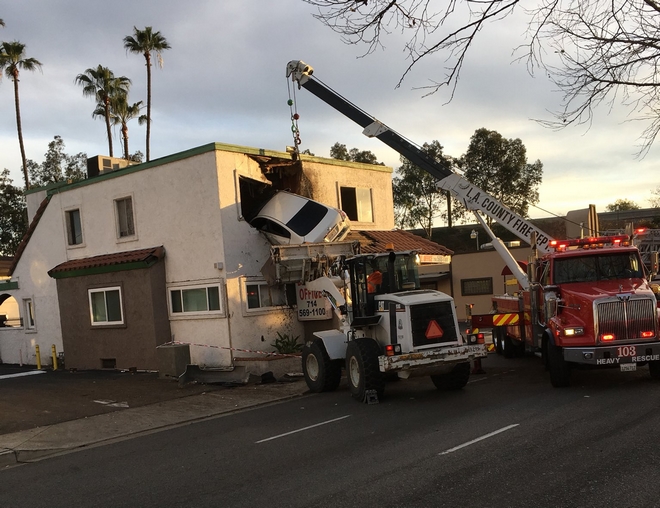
(584, 302)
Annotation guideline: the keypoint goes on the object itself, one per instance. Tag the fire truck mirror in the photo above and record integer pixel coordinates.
(655, 262)
(550, 307)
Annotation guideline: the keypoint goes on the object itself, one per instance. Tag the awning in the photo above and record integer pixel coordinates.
(507, 271)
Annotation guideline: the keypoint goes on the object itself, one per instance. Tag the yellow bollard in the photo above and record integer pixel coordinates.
(54, 353)
(38, 356)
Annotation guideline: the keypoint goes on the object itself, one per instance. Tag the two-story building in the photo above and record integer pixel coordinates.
(135, 257)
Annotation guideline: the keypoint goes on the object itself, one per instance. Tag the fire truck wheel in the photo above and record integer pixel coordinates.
(560, 369)
(499, 347)
(508, 347)
(654, 369)
(362, 371)
(321, 373)
(454, 380)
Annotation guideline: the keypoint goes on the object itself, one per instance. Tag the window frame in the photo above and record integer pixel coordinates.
(356, 191)
(260, 282)
(104, 290)
(200, 314)
(29, 321)
(68, 227)
(488, 280)
(116, 204)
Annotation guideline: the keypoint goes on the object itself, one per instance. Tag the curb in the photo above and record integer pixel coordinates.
(7, 458)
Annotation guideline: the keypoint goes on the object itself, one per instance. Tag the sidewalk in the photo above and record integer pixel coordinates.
(179, 407)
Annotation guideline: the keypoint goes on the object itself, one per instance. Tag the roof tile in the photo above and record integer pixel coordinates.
(377, 241)
(115, 258)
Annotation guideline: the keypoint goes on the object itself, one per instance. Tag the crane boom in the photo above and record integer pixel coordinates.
(473, 198)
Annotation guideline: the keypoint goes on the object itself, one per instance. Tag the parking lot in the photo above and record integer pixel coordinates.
(29, 400)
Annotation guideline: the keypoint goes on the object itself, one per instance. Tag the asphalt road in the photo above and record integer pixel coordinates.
(508, 439)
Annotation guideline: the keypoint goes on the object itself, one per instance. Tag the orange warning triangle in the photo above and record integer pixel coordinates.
(433, 330)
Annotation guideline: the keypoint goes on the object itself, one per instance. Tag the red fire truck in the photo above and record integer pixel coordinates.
(589, 302)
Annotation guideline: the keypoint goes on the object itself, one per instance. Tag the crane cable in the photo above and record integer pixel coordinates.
(294, 116)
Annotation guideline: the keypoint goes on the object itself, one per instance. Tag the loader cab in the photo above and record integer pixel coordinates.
(380, 274)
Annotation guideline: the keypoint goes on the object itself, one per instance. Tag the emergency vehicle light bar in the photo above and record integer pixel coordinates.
(593, 242)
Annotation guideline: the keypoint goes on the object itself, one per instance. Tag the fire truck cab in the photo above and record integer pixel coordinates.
(589, 303)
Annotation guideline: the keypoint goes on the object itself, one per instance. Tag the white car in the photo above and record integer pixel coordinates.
(292, 219)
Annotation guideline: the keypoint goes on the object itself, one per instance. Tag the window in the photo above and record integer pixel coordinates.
(591, 268)
(269, 226)
(28, 320)
(125, 223)
(260, 296)
(73, 227)
(483, 286)
(105, 306)
(195, 300)
(356, 203)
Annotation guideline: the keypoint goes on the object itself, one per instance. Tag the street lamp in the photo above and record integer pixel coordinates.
(475, 236)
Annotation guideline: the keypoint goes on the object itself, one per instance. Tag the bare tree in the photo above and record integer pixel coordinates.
(595, 51)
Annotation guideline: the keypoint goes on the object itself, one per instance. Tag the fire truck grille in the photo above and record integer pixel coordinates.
(626, 319)
(433, 323)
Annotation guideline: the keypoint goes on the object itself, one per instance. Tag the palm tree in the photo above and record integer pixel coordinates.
(121, 113)
(12, 58)
(102, 84)
(144, 42)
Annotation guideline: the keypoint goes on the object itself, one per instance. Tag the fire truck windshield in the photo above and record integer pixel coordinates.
(595, 267)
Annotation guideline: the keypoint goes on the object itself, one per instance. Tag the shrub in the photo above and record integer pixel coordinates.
(286, 345)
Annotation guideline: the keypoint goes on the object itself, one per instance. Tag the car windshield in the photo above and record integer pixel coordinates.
(597, 267)
(307, 218)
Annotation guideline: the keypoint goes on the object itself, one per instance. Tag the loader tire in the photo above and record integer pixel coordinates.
(454, 380)
(362, 371)
(560, 369)
(321, 373)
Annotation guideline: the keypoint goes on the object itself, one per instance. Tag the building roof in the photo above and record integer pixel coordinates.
(127, 260)
(378, 241)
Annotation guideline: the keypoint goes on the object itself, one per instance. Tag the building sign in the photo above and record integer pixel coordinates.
(434, 258)
(312, 305)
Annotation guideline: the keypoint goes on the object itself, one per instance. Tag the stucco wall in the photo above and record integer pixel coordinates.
(325, 180)
(45, 250)
(485, 263)
(132, 344)
(245, 252)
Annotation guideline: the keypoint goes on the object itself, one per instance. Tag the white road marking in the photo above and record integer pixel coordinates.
(21, 374)
(300, 430)
(476, 380)
(503, 429)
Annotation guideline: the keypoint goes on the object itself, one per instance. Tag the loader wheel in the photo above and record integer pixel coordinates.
(362, 370)
(321, 373)
(560, 369)
(454, 380)
(654, 369)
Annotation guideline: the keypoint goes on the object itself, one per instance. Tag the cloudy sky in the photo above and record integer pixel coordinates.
(224, 81)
